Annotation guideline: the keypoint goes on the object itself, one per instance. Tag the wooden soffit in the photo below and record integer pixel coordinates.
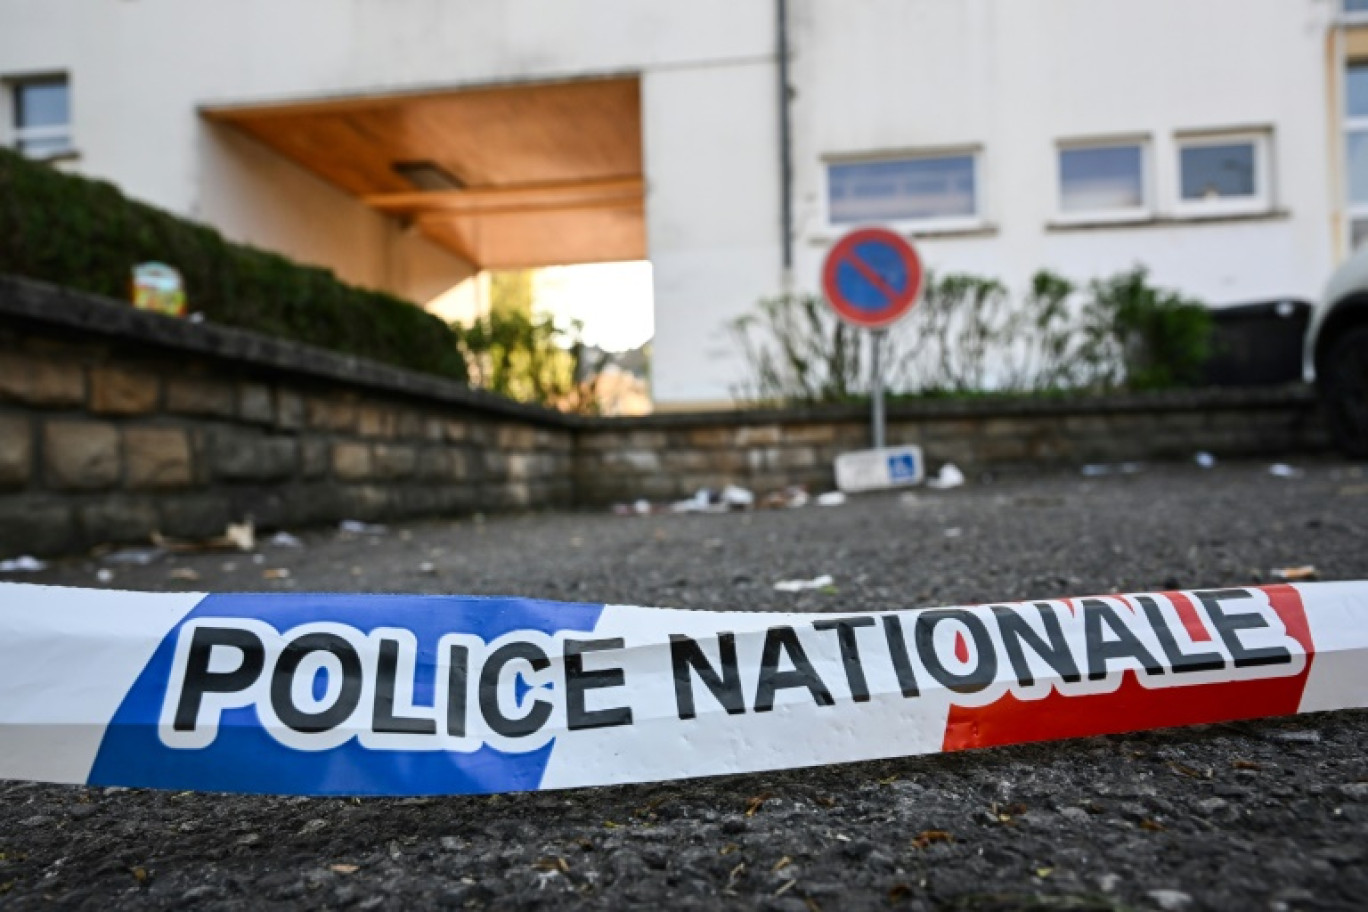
(541, 174)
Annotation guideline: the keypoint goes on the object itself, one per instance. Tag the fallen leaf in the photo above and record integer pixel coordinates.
(927, 837)
(898, 892)
(608, 824)
(139, 874)
(552, 863)
(824, 801)
(344, 868)
(276, 573)
(890, 780)
(754, 805)
(728, 849)
(782, 863)
(1245, 765)
(1152, 826)
(1043, 872)
(1183, 769)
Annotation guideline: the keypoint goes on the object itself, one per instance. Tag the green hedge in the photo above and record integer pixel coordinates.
(85, 234)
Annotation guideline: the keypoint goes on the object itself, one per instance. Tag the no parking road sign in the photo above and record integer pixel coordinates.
(872, 278)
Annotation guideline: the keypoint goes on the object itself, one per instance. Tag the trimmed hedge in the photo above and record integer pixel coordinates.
(85, 234)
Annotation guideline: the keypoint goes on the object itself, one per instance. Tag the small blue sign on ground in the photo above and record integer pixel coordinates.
(876, 470)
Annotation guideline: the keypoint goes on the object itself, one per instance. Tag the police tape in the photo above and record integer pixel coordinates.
(338, 694)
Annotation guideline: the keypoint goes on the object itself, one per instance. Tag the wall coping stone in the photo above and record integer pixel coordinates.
(1298, 395)
(41, 302)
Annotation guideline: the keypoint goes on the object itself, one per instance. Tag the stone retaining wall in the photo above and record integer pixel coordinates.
(671, 456)
(116, 423)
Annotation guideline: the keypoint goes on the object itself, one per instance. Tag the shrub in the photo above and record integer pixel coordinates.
(967, 335)
(85, 234)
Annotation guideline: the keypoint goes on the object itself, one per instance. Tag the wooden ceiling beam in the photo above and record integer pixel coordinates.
(577, 194)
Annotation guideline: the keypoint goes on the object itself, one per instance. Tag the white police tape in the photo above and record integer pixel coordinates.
(328, 694)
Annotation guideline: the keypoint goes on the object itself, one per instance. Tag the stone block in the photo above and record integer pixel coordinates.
(200, 396)
(711, 437)
(797, 458)
(81, 455)
(495, 463)
(687, 460)
(16, 451)
(516, 437)
(117, 519)
(255, 402)
(351, 461)
(432, 428)
(455, 430)
(1004, 427)
(809, 433)
(35, 525)
(760, 435)
(41, 381)
(393, 460)
(367, 502)
(332, 413)
(374, 421)
(290, 411)
(633, 460)
(313, 457)
(241, 455)
(123, 391)
(519, 466)
(195, 516)
(434, 464)
(156, 457)
(408, 425)
(458, 465)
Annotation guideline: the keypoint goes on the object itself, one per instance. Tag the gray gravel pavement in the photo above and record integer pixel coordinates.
(1263, 815)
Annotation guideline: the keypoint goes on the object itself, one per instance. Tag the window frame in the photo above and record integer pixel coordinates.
(1261, 201)
(1353, 212)
(1351, 17)
(16, 135)
(913, 226)
(1119, 215)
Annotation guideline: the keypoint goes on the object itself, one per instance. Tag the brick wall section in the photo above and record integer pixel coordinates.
(115, 423)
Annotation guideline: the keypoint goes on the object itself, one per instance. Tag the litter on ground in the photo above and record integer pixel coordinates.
(357, 527)
(801, 585)
(948, 477)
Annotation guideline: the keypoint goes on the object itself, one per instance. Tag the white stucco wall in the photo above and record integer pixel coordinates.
(1011, 77)
(1015, 77)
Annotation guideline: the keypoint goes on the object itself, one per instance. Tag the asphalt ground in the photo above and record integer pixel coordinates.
(1271, 814)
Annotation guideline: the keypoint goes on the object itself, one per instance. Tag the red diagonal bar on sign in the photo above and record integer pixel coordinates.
(871, 276)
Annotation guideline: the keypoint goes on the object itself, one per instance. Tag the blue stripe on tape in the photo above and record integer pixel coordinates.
(244, 757)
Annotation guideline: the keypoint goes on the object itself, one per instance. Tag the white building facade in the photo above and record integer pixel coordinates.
(1221, 143)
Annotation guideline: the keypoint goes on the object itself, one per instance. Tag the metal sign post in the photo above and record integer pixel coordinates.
(876, 393)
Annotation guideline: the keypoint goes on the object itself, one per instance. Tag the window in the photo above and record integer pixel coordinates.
(924, 189)
(1355, 7)
(1356, 150)
(42, 117)
(1223, 174)
(1104, 180)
